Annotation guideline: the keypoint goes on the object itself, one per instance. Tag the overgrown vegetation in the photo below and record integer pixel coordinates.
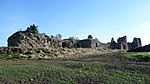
(47, 53)
(94, 69)
(138, 56)
(14, 57)
(33, 29)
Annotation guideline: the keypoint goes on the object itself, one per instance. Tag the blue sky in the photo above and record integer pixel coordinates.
(103, 19)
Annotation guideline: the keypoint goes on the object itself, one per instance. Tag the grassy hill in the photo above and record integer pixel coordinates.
(92, 69)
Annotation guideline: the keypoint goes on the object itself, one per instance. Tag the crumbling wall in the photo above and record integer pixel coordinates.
(90, 43)
(122, 41)
(27, 39)
(145, 48)
(86, 43)
(113, 44)
(120, 44)
(124, 45)
(135, 44)
(70, 43)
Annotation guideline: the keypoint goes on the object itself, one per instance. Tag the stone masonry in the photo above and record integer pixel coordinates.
(124, 45)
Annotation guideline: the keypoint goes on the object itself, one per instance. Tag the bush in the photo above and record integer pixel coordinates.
(33, 29)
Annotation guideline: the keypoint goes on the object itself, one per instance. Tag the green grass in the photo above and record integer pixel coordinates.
(8, 57)
(13, 57)
(137, 55)
(75, 71)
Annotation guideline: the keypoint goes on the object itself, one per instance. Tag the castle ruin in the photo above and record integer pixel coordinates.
(124, 45)
(31, 38)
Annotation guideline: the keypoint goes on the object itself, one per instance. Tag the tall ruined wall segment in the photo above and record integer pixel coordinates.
(124, 45)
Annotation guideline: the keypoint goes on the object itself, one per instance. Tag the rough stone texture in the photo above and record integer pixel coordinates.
(89, 43)
(48, 53)
(26, 39)
(70, 43)
(124, 45)
(113, 44)
(12, 50)
(31, 38)
(135, 44)
(85, 43)
(145, 48)
(121, 43)
(104, 46)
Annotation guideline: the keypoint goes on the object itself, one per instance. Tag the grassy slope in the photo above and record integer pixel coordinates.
(106, 68)
(138, 56)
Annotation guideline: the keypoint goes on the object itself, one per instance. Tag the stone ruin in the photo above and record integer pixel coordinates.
(135, 44)
(31, 38)
(70, 43)
(85, 43)
(124, 45)
(122, 41)
(120, 44)
(89, 43)
(28, 39)
(145, 48)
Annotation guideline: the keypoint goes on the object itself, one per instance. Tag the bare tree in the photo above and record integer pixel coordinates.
(59, 36)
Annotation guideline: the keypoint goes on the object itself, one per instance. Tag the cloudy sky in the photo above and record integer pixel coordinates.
(103, 19)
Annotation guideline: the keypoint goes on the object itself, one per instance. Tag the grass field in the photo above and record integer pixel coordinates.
(96, 69)
(138, 56)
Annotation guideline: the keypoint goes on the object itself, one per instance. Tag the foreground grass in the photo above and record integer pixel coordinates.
(106, 68)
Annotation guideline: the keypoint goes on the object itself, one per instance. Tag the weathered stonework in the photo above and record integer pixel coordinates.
(113, 44)
(70, 43)
(91, 43)
(26, 39)
(135, 44)
(145, 48)
(85, 43)
(31, 38)
(121, 43)
(124, 45)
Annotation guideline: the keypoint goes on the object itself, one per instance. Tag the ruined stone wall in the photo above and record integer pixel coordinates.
(145, 48)
(86, 43)
(70, 43)
(90, 43)
(120, 44)
(96, 43)
(114, 45)
(29, 40)
(135, 44)
(130, 45)
(104, 46)
(124, 45)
